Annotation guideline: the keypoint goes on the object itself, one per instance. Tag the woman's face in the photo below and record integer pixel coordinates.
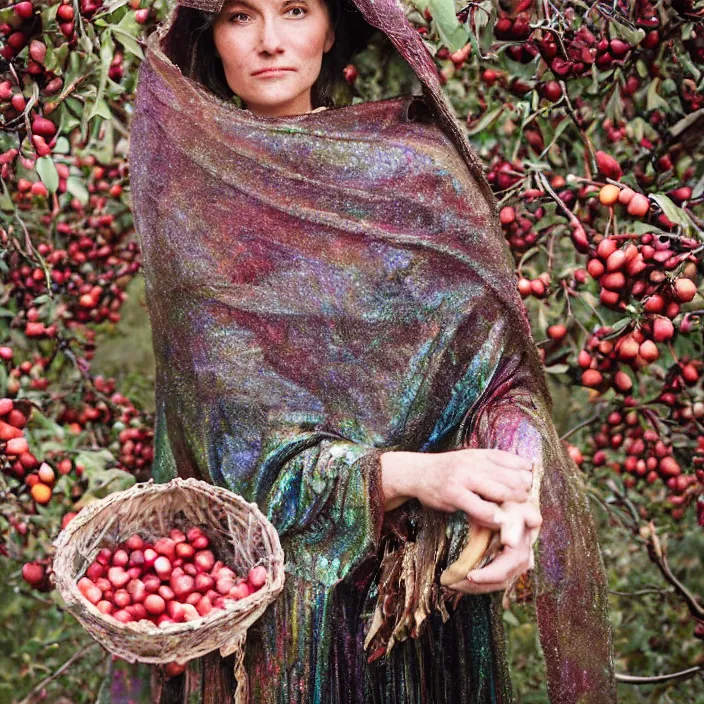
(254, 36)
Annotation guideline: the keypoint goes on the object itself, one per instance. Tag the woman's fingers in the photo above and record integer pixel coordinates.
(511, 477)
(492, 490)
(508, 459)
(526, 511)
(485, 512)
(519, 524)
(510, 562)
(499, 484)
(512, 530)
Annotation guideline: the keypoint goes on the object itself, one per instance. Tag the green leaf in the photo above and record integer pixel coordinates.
(101, 109)
(480, 25)
(510, 618)
(76, 187)
(102, 483)
(103, 149)
(94, 461)
(654, 100)
(86, 44)
(107, 52)
(642, 69)
(452, 34)
(613, 108)
(63, 146)
(48, 173)
(6, 202)
(128, 42)
(699, 188)
(485, 120)
(558, 131)
(687, 121)
(557, 369)
(126, 32)
(632, 35)
(674, 213)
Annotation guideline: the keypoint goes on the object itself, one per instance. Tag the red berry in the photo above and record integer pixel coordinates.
(204, 560)
(257, 576)
(33, 573)
(555, 332)
(134, 542)
(507, 215)
(65, 13)
(685, 289)
(648, 351)
(174, 669)
(591, 377)
(608, 165)
(669, 467)
(155, 605)
(123, 616)
(639, 205)
(23, 10)
(663, 329)
(118, 577)
(552, 91)
(162, 566)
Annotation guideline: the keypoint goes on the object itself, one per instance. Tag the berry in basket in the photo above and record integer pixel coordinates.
(171, 579)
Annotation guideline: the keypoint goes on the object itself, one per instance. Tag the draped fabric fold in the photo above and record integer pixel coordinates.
(324, 288)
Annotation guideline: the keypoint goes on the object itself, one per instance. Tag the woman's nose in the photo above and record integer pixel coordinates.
(270, 39)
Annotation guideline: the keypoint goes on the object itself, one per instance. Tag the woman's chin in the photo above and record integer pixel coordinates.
(276, 105)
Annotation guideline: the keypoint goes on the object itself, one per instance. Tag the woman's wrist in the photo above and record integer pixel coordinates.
(397, 473)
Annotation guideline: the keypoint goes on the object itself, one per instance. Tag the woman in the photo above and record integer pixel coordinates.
(338, 337)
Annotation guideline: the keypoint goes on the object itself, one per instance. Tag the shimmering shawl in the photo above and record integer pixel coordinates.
(324, 288)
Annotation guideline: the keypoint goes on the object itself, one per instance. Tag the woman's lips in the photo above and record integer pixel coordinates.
(271, 72)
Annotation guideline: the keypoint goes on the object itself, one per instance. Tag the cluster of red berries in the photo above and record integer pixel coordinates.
(645, 457)
(638, 271)
(164, 581)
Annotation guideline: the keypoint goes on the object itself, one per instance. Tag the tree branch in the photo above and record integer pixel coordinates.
(682, 675)
(657, 555)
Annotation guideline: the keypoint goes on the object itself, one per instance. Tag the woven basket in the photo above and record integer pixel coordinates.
(240, 536)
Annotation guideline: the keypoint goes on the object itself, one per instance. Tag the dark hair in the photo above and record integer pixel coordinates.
(190, 45)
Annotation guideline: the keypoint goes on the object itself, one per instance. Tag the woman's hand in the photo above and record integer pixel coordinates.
(491, 486)
(518, 534)
(471, 480)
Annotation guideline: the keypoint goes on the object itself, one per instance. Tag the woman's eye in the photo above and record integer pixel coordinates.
(237, 15)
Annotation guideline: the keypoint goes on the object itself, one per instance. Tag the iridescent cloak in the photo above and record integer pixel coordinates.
(324, 288)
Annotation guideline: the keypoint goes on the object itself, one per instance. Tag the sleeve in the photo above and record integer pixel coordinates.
(570, 585)
(503, 403)
(323, 494)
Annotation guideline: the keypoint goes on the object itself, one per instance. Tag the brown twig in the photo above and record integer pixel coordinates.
(681, 675)
(51, 106)
(657, 555)
(577, 427)
(574, 221)
(641, 592)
